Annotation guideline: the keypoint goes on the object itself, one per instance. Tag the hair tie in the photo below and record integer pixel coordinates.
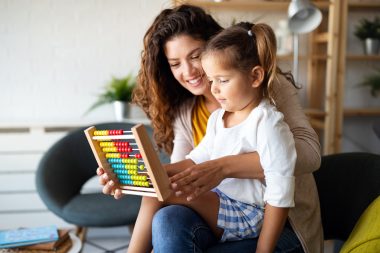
(250, 33)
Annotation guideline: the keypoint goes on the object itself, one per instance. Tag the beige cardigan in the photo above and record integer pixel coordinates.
(305, 216)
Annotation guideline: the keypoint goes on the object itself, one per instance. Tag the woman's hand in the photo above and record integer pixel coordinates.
(109, 187)
(197, 179)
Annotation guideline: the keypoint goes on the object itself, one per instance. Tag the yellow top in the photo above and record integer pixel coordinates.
(199, 117)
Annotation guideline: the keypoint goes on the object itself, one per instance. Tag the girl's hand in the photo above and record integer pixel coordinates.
(197, 179)
(194, 180)
(109, 187)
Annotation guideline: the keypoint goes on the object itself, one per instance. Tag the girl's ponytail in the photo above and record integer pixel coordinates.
(266, 52)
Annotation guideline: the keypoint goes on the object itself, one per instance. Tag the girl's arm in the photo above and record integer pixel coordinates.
(274, 221)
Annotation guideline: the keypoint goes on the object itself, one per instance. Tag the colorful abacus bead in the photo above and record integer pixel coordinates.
(134, 183)
(101, 132)
(108, 132)
(123, 144)
(115, 132)
(113, 155)
(133, 177)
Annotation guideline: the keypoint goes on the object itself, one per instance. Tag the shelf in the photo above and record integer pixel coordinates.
(314, 114)
(363, 5)
(303, 57)
(248, 5)
(289, 57)
(321, 38)
(363, 57)
(54, 126)
(355, 112)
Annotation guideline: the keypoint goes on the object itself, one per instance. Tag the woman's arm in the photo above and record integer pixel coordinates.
(202, 177)
(305, 138)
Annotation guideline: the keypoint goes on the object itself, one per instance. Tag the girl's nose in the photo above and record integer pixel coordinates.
(214, 88)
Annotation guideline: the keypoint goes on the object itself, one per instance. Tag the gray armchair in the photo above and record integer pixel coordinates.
(347, 183)
(62, 172)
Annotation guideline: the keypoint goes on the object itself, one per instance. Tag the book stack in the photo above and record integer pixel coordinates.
(47, 239)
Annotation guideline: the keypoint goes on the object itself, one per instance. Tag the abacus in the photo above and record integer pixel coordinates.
(134, 167)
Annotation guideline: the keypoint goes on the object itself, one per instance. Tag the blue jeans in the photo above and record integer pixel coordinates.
(179, 229)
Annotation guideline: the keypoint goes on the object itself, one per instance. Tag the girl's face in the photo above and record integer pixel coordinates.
(234, 90)
(183, 54)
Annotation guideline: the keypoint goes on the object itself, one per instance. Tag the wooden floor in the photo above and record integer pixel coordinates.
(106, 240)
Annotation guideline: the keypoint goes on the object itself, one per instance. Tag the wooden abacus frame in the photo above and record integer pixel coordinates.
(157, 174)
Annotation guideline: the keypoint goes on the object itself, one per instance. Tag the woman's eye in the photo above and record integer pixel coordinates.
(223, 81)
(173, 65)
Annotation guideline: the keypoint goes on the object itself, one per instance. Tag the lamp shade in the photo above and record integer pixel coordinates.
(303, 16)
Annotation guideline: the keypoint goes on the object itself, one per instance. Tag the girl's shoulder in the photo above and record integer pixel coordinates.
(217, 114)
(266, 111)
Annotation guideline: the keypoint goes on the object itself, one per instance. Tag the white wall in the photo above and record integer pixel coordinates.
(56, 55)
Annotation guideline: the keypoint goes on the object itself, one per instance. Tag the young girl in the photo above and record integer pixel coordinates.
(247, 122)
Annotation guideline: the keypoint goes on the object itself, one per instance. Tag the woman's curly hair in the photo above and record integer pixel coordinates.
(157, 92)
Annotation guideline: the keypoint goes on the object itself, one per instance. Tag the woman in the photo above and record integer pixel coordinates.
(175, 94)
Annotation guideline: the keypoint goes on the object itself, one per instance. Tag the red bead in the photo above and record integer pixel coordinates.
(138, 156)
(129, 149)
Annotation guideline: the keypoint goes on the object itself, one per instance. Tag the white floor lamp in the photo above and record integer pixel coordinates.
(303, 17)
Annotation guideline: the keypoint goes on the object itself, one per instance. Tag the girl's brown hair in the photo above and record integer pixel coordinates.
(245, 46)
(157, 92)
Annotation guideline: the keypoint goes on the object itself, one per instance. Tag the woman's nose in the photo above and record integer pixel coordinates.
(189, 69)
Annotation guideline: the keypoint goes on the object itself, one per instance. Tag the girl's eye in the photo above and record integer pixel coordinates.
(210, 82)
(223, 81)
(196, 56)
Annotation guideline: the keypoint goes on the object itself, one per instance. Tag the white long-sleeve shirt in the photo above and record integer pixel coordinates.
(265, 132)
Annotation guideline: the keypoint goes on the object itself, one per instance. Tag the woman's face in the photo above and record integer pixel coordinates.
(183, 54)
